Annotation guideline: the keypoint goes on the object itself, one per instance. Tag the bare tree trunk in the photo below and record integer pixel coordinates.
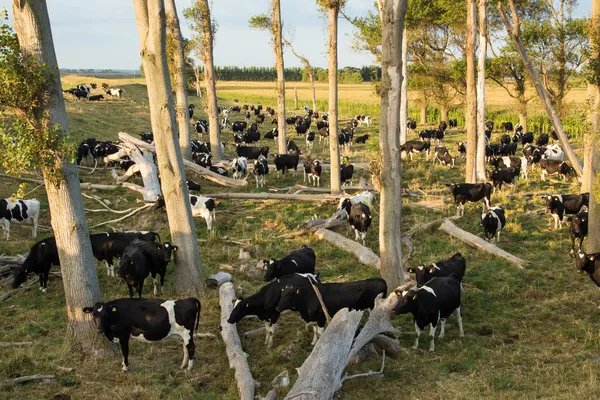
(523, 115)
(482, 14)
(295, 98)
(32, 25)
(588, 179)
(390, 221)
(514, 33)
(444, 113)
(334, 147)
(311, 77)
(471, 95)
(210, 82)
(278, 47)
(592, 163)
(404, 89)
(423, 120)
(595, 47)
(150, 17)
(183, 117)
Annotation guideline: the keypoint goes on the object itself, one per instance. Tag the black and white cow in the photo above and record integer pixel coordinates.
(579, 230)
(511, 162)
(300, 261)
(456, 265)
(272, 134)
(202, 159)
(239, 126)
(252, 153)
(415, 146)
(115, 92)
(239, 167)
(431, 303)
(19, 211)
(284, 162)
(558, 205)
(292, 147)
(142, 258)
(452, 123)
(204, 207)
(359, 218)
(359, 295)
(493, 222)
(462, 149)
(148, 320)
(261, 169)
(363, 119)
(218, 170)
(504, 175)
(411, 124)
(365, 197)
(443, 156)
(310, 140)
(552, 167)
(554, 152)
(201, 127)
(589, 263)
(346, 174)
(507, 126)
(193, 186)
(470, 192)
(313, 169)
(110, 245)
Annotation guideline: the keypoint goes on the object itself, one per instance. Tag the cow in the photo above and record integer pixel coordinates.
(452, 123)
(462, 149)
(301, 261)
(218, 170)
(507, 126)
(431, 303)
(552, 167)
(359, 218)
(344, 139)
(19, 211)
(505, 139)
(365, 197)
(192, 186)
(191, 110)
(411, 124)
(443, 156)
(115, 92)
(292, 147)
(358, 295)
(313, 169)
(201, 127)
(504, 175)
(252, 135)
(578, 230)
(239, 166)
(42, 256)
(558, 205)
(225, 124)
(346, 174)
(456, 265)
(542, 140)
(202, 159)
(310, 140)
(260, 119)
(361, 139)
(472, 192)
(507, 149)
(554, 152)
(442, 126)
(415, 146)
(363, 119)
(283, 162)
(272, 134)
(261, 169)
(239, 126)
(589, 263)
(104, 85)
(489, 125)
(203, 207)
(252, 153)
(511, 162)
(96, 97)
(108, 246)
(148, 137)
(84, 150)
(148, 320)
(493, 222)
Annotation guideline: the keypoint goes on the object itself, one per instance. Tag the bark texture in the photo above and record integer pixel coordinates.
(32, 25)
(595, 47)
(278, 47)
(390, 221)
(471, 95)
(482, 16)
(151, 23)
(334, 148)
(593, 243)
(404, 89)
(183, 117)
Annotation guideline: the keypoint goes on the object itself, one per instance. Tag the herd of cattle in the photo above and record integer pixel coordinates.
(84, 91)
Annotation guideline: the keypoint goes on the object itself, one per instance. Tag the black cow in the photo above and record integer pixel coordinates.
(252, 153)
(108, 246)
(218, 170)
(443, 156)
(472, 192)
(493, 222)
(504, 175)
(97, 97)
(361, 139)
(42, 256)
(551, 167)
(310, 140)
(528, 150)
(505, 139)
(272, 134)
(589, 263)
(239, 126)
(260, 119)
(431, 303)
(507, 126)
(579, 230)
(346, 174)
(313, 169)
(454, 265)
(148, 137)
(415, 146)
(283, 162)
(559, 205)
(453, 123)
(359, 217)
(142, 258)
(411, 124)
(292, 147)
(442, 126)
(542, 140)
(462, 149)
(507, 149)
(192, 186)
(191, 110)
(300, 261)
(148, 320)
(359, 295)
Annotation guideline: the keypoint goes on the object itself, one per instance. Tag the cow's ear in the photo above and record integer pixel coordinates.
(88, 310)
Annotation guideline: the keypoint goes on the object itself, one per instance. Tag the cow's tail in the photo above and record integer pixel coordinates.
(198, 314)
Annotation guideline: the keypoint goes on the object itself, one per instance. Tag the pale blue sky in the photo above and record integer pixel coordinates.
(103, 33)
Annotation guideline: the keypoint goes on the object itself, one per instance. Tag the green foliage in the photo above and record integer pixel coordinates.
(261, 22)
(28, 140)
(197, 14)
(367, 33)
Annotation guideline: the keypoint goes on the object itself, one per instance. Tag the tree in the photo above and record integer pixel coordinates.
(471, 95)
(482, 15)
(593, 65)
(152, 33)
(38, 137)
(390, 89)
(178, 70)
(309, 70)
(204, 29)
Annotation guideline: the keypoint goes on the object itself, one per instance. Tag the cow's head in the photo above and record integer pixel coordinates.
(345, 204)
(241, 308)
(422, 273)
(407, 300)
(273, 268)
(19, 275)
(290, 296)
(551, 201)
(582, 260)
(168, 251)
(100, 311)
(451, 187)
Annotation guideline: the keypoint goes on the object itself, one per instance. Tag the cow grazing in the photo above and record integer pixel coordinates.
(239, 167)
(415, 146)
(19, 211)
(284, 162)
(559, 205)
(115, 92)
(204, 207)
(261, 169)
(346, 174)
(239, 127)
(300, 261)
(552, 167)
(504, 175)
(589, 263)
(578, 231)
(192, 186)
(431, 303)
(148, 320)
(361, 139)
(313, 169)
(359, 218)
(97, 97)
(359, 295)
(454, 265)
(472, 192)
(443, 156)
(252, 153)
(493, 222)
(42, 256)
(542, 140)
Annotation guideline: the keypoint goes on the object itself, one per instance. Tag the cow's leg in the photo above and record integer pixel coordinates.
(46, 274)
(7, 228)
(432, 336)
(443, 328)
(315, 338)
(460, 325)
(320, 330)
(267, 333)
(139, 289)
(418, 332)
(162, 280)
(107, 268)
(130, 287)
(112, 267)
(41, 278)
(555, 216)
(154, 284)
(356, 235)
(124, 343)
(189, 351)
(35, 227)
(498, 236)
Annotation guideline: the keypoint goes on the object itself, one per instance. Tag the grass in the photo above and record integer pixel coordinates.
(531, 333)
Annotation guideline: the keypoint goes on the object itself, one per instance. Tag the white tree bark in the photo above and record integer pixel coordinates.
(147, 168)
(592, 164)
(278, 47)
(32, 25)
(482, 15)
(334, 148)
(404, 89)
(471, 95)
(594, 46)
(151, 23)
(183, 117)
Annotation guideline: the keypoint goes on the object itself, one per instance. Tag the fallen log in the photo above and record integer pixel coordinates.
(27, 379)
(481, 244)
(216, 280)
(317, 189)
(13, 261)
(364, 254)
(275, 196)
(41, 182)
(233, 347)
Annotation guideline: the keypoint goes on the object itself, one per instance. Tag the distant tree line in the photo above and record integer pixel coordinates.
(296, 74)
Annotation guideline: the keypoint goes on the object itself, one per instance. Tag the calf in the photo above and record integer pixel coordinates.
(415, 146)
(261, 169)
(559, 205)
(300, 261)
(493, 222)
(313, 169)
(148, 320)
(283, 162)
(361, 139)
(203, 207)
(97, 97)
(579, 230)
(346, 174)
(454, 265)
(363, 119)
(443, 156)
(359, 218)
(472, 192)
(589, 263)
(19, 211)
(504, 175)
(359, 295)
(239, 166)
(192, 186)
(252, 153)
(552, 167)
(431, 303)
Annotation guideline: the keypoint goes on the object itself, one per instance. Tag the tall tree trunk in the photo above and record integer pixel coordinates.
(423, 107)
(514, 33)
(523, 115)
(592, 165)
(210, 82)
(32, 25)
(334, 147)
(482, 15)
(295, 98)
(404, 89)
(183, 117)
(278, 47)
(390, 221)
(150, 17)
(471, 95)
(311, 77)
(444, 113)
(595, 48)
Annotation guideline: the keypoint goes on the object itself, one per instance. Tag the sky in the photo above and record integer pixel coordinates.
(102, 34)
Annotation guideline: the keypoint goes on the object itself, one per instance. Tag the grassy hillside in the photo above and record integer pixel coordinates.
(532, 333)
